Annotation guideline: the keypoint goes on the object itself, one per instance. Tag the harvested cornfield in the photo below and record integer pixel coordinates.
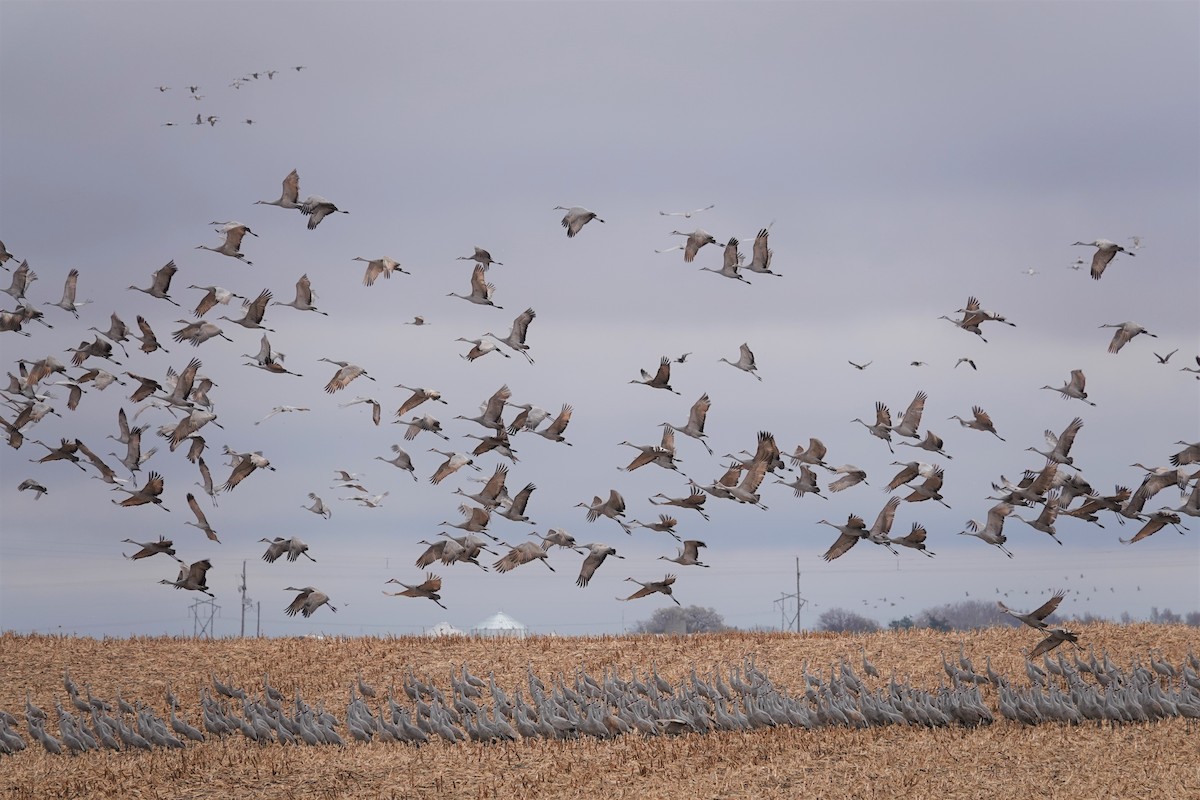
(1134, 760)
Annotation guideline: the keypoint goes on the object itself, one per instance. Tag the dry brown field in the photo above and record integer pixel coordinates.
(1005, 760)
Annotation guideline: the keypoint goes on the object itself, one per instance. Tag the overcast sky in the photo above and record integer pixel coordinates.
(908, 156)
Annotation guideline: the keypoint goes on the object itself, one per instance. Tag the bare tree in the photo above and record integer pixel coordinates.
(688, 619)
(839, 620)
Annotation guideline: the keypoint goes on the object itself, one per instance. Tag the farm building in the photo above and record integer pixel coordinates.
(500, 625)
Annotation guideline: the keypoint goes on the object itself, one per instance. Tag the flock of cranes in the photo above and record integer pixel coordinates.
(183, 395)
(193, 93)
(729, 697)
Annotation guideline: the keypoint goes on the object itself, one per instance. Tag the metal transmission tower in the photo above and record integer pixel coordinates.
(786, 622)
(203, 612)
(246, 601)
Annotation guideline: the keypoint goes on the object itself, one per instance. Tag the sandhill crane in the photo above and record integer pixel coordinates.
(554, 431)
(197, 333)
(688, 555)
(401, 461)
(575, 218)
(4, 254)
(992, 533)
(515, 509)
(695, 501)
(911, 470)
(255, 309)
(663, 587)
(98, 348)
(68, 303)
(453, 463)
(860, 367)
(481, 290)
(932, 442)
(1105, 252)
(613, 508)
(342, 378)
(376, 408)
(424, 423)
(493, 489)
(695, 423)
(1195, 369)
(661, 379)
(981, 422)
(448, 552)
(695, 240)
(232, 246)
(597, 552)
(1056, 637)
(293, 548)
(492, 410)
(481, 348)
(966, 361)
(516, 337)
(855, 529)
(481, 257)
(419, 396)
(148, 338)
(745, 361)
(160, 282)
(498, 442)
(307, 602)
(282, 410)
(760, 260)
(911, 421)
(163, 545)
(30, 485)
(851, 476)
(194, 421)
(929, 489)
(914, 539)
(520, 554)
(650, 454)
(557, 538)
(1035, 619)
(1060, 445)
(1125, 332)
(318, 507)
(317, 208)
(64, 452)
(22, 276)
(730, 264)
(1167, 357)
(304, 297)
(106, 472)
(429, 588)
(665, 524)
(201, 520)
(147, 494)
(1191, 506)
(1156, 522)
(882, 428)
(814, 454)
(686, 214)
(192, 577)
(117, 333)
(475, 520)
(1045, 520)
(805, 483)
(1075, 387)
(1190, 454)
(379, 266)
(206, 481)
(244, 464)
(747, 490)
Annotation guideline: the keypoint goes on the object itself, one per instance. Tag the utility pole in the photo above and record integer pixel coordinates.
(246, 601)
(201, 626)
(258, 621)
(242, 589)
(784, 622)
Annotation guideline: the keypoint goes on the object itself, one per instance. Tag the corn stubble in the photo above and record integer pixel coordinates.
(1006, 759)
